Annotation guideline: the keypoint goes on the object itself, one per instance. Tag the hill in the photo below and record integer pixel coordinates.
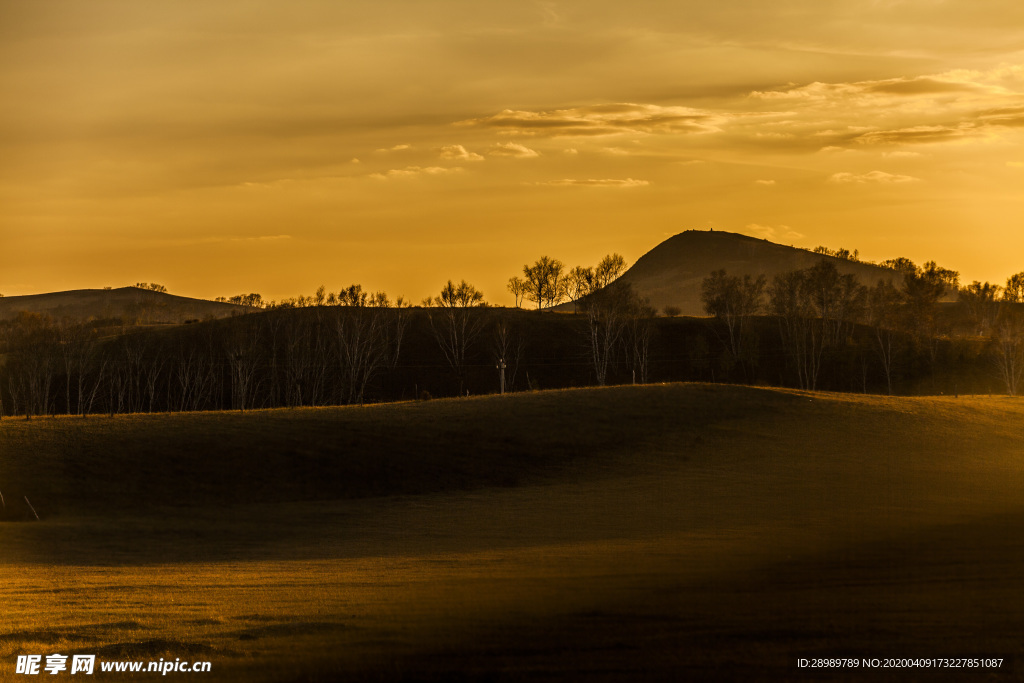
(648, 533)
(672, 272)
(129, 303)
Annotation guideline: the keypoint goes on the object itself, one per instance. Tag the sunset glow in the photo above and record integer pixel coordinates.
(271, 147)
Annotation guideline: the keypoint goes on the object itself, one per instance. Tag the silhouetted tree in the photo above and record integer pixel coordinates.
(365, 338)
(545, 282)
(456, 323)
(31, 362)
(1008, 341)
(900, 264)
(580, 282)
(637, 335)
(253, 300)
(981, 304)
(838, 300)
(244, 351)
(608, 269)
(802, 336)
(733, 300)
(607, 312)
(1014, 290)
(507, 350)
(884, 315)
(922, 290)
(150, 286)
(517, 287)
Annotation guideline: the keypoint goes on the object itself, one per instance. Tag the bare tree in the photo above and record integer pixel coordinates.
(837, 299)
(517, 287)
(580, 282)
(1008, 341)
(545, 282)
(607, 312)
(507, 349)
(32, 361)
(638, 331)
(981, 304)
(364, 339)
(244, 350)
(608, 269)
(733, 300)
(884, 316)
(77, 350)
(456, 324)
(789, 302)
(1014, 290)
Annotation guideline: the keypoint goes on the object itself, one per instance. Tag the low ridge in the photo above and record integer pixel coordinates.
(130, 303)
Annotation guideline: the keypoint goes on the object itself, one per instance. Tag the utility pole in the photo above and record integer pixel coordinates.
(501, 367)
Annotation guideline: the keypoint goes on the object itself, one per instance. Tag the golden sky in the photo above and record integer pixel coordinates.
(270, 146)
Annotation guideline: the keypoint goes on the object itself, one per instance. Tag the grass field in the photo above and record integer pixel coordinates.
(677, 532)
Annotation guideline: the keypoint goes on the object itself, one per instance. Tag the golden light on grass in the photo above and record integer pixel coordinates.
(706, 502)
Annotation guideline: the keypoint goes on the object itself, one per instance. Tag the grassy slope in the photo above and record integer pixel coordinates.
(632, 532)
(134, 463)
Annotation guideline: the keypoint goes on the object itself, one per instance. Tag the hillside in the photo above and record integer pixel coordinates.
(672, 272)
(130, 303)
(652, 533)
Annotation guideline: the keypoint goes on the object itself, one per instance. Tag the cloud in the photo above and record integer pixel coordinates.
(764, 182)
(458, 153)
(396, 148)
(917, 135)
(595, 182)
(606, 119)
(938, 84)
(416, 171)
(570, 151)
(768, 232)
(511, 149)
(929, 109)
(872, 177)
(1015, 164)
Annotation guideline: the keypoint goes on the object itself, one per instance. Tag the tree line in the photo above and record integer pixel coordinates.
(817, 309)
(329, 348)
(812, 328)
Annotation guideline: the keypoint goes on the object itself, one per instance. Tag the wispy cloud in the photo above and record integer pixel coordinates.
(595, 182)
(764, 182)
(416, 171)
(396, 148)
(458, 153)
(917, 135)
(512, 149)
(607, 119)
(872, 177)
(952, 106)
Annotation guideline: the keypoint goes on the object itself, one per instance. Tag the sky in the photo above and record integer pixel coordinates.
(265, 146)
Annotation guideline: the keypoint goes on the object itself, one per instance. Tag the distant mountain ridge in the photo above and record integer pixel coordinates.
(129, 303)
(671, 273)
